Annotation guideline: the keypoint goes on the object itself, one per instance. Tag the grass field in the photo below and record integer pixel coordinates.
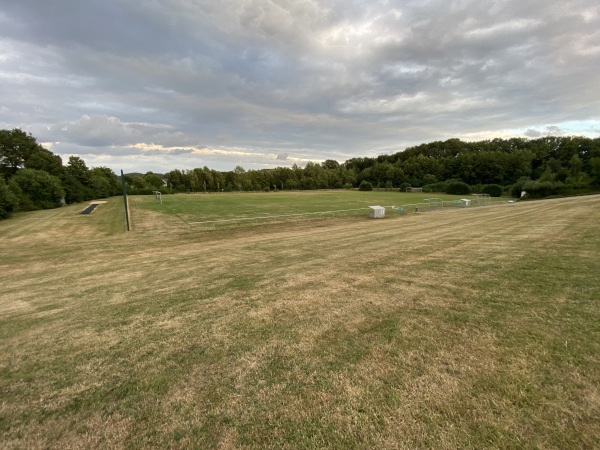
(237, 208)
(468, 328)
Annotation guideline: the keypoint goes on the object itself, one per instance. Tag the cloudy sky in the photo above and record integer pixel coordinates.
(165, 84)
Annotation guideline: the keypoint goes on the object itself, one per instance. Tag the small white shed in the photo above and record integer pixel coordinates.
(377, 212)
(465, 203)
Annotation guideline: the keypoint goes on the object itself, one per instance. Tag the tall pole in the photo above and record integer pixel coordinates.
(125, 199)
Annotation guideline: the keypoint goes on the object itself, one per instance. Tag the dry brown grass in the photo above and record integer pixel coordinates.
(473, 329)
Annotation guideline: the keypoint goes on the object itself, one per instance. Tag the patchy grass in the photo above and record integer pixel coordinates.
(478, 328)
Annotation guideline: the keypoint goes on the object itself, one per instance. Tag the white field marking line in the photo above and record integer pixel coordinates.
(415, 205)
(276, 217)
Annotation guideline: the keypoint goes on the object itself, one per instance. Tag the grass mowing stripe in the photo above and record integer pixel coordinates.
(475, 328)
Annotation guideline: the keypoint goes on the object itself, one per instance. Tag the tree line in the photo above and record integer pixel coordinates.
(541, 167)
(32, 177)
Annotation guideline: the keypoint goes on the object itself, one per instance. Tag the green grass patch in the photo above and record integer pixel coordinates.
(206, 207)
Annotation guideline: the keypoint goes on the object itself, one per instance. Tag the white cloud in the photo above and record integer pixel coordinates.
(503, 28)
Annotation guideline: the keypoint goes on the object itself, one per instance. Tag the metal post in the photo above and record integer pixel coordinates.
(125, 199)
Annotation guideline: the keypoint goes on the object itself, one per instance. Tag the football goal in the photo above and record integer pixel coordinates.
(434, 203)
(483, 199)
(414, 189)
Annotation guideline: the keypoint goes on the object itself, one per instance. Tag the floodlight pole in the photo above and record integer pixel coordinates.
(125, 199)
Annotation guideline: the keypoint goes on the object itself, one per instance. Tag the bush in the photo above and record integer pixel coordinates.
(436, 187)
(365, 186)
(515, 189)
(540, 189)
(494, 190)
(455, 187)
(348, 186)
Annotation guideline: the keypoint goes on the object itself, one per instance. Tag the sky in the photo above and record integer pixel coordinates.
(159, 85)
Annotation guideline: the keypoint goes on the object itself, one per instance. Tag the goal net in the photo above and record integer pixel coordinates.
(483, 199)
(414, 190)
(434, 203)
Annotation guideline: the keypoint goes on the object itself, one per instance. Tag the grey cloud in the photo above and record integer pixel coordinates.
(532, 133)
(331, 79)
(282, 156)
(100, 131)
(171, 152)
(548, 130)
(554, 130)
(64, 149)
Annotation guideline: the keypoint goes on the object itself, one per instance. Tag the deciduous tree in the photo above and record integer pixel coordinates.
(38, 189)
(16, 147)
(8, 201)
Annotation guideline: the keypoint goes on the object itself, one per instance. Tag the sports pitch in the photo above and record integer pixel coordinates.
(226, 209)
(463, 328)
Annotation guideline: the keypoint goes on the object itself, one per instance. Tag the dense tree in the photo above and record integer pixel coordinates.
(34, 177)
(496, 162)
(575, 166)
(77, 168)
(138, 182)
(359, 164)
(153, 180)
(16, 147)
(577, 177)
(74, 190)
(178, 180)
(595, 170)
(77, 181)
(42, 159)
(8, 201)
(37, 189)
(104, 182)
(330, 164)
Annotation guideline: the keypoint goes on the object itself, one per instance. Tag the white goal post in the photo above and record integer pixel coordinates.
(483, 199)
(434, 203)
(414, 189)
